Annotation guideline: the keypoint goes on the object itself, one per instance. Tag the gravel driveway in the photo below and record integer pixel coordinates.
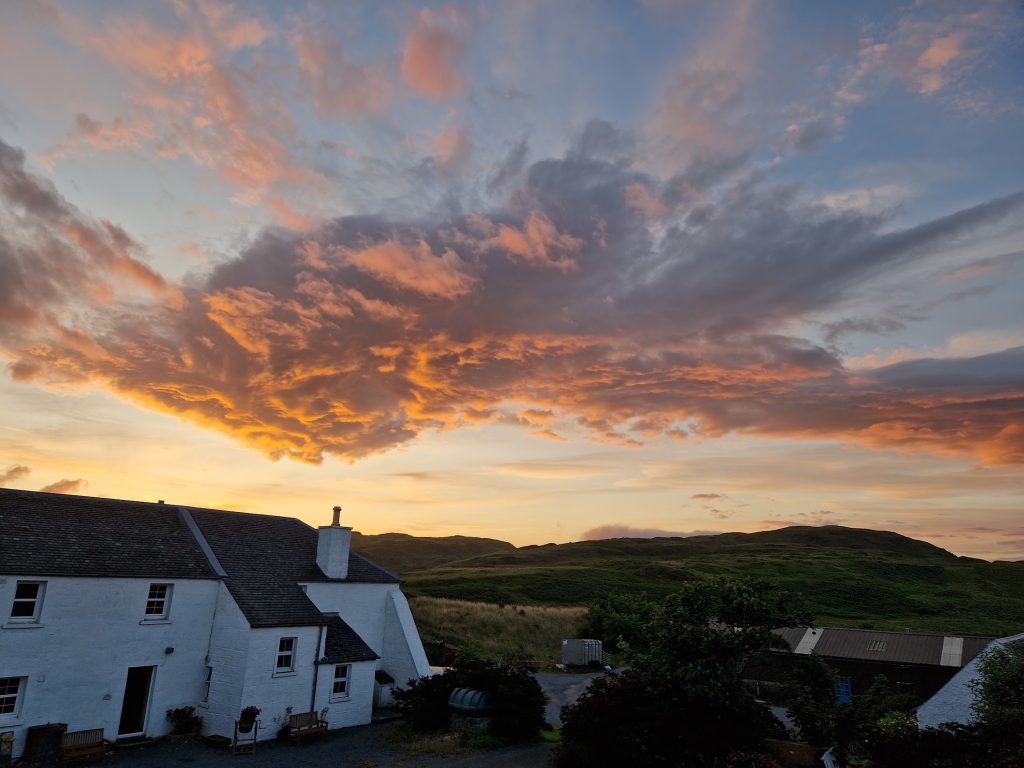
(361, 747)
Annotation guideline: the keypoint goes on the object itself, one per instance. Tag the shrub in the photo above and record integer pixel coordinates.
(999, 690)
(516, 699)
(184, 720)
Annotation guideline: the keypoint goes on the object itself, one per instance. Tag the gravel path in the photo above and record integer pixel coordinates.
(362, 747)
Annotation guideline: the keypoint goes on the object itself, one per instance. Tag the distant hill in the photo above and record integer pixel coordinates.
(402, 554)
(849, 576)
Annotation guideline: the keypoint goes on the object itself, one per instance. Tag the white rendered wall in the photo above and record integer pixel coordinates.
(271, 691)
(357, 707)
(403, 649)
(229, 654)
(379, 613)
(360, 605)
(77, 658)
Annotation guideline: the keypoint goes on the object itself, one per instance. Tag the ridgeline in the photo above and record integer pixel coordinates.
(849, 576)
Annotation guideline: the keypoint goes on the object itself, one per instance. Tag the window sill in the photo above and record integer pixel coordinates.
(339, 699)
(11, 723)
(23, 625)
(290, 673)
(147, 622)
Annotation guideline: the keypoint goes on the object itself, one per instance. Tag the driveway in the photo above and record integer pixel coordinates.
(563, 688)
(361, 747)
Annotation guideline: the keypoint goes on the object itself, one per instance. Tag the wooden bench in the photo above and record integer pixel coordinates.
(77, 745)
(305, 724)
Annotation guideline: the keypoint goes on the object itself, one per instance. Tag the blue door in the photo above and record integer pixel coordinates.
(844, 690)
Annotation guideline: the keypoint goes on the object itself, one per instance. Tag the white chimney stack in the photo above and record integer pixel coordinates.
(332, 548)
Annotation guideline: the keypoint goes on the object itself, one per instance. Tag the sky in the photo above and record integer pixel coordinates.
(541, 271)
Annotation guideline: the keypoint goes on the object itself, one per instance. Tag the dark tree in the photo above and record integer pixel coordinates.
(684, 702)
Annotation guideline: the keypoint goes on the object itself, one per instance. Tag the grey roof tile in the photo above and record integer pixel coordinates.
(52, 534)
(343, 645)
(264, 556)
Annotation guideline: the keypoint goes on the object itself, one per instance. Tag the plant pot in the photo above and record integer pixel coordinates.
(244, 726)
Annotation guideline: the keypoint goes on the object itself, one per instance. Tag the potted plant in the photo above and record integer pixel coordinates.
(247, 719)
(185, 723)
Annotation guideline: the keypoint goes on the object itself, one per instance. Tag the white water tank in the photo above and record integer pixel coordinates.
(582, 652)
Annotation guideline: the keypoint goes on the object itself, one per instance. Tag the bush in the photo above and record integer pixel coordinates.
(516, 699)
(999, 690)
(184, 721)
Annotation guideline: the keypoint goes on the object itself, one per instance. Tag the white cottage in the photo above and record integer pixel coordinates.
(115, 611)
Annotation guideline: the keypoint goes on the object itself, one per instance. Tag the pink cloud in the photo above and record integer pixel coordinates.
(432, 52)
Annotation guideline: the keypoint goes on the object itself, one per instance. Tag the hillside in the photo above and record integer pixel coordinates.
(402, 554)
(850, 577)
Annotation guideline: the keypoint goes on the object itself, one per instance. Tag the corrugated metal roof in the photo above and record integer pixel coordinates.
(893, 647)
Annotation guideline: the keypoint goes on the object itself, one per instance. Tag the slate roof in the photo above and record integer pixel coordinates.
(52, 534)
(952, 703)
(890, 647)
(343, 645)
(264, 556)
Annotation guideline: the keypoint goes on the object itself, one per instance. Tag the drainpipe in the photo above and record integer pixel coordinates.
(316, 667)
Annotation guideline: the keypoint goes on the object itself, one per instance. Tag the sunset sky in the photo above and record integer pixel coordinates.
(540, 271)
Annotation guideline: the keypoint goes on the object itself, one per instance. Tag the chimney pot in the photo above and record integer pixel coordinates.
(337, 516)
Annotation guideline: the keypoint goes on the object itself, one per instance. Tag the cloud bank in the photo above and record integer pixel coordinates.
(560, 309)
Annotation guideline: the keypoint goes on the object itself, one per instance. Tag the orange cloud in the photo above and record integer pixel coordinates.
(539, 243)
(340, 87)
(431, 53)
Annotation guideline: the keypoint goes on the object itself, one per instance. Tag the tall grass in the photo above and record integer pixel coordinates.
(491, 631)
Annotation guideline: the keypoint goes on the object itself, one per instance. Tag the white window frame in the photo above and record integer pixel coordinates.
(37, 608)
(346, 681)
(282, 653)
(205, 701)
(18, 696)
(164, 601)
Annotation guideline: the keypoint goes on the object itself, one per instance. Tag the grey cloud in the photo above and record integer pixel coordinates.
(621, 531)
(12, 473)
(65, 486)
(509, 168)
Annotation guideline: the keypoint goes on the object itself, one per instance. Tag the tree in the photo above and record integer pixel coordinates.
(618, 619)
(811, 696)
(684, 702)
(999, 689)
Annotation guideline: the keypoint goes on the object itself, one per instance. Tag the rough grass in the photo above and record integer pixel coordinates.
(848, 577)
(492, 631)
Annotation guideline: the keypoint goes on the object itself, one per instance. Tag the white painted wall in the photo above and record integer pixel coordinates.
(77, 658)
(379, 613)
(360, 605)
(403, 649)
(357, 708)
(272, 692)
(229, 654)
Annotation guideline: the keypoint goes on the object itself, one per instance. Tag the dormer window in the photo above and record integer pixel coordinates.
(28, 602)
(158, 603)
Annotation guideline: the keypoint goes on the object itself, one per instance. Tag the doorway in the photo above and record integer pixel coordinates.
(136, 701)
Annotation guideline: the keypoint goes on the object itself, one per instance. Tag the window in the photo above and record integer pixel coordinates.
(286, 655)
(159, 601)
(877, 646)
(340, 688)
(206, 685)
(28, 601)
(844, 690)
(10, 694)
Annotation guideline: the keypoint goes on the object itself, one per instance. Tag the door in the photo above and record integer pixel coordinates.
(136, 701)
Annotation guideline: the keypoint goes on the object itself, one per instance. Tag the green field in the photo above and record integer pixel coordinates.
(849, 577)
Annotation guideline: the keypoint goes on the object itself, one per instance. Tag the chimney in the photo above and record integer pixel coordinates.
(332, 548)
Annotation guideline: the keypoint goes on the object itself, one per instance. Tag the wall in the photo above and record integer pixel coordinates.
(404, 657)
(360, 605)
(89, 634)
(229, 653)
(357, 708)
(273, 693)
(379, 613)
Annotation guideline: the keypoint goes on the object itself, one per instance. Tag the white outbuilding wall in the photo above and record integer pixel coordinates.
(229, 653)
(379, 613)
(90, 631)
